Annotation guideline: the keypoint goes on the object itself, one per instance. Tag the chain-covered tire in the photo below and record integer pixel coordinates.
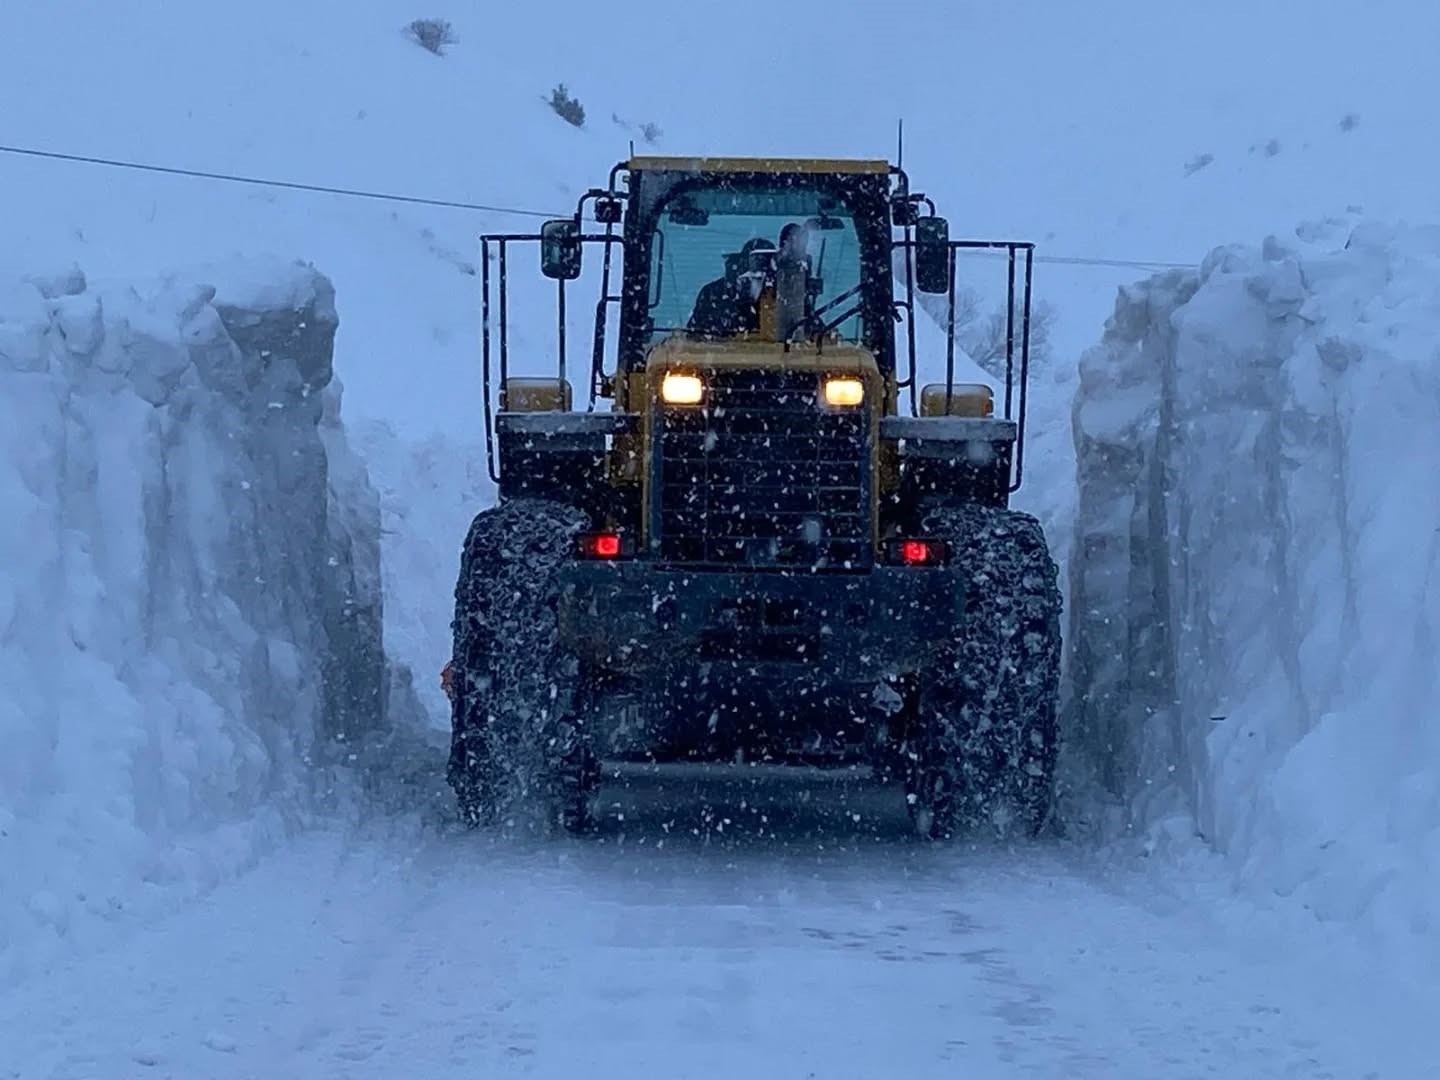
(983, 730)
(516, 738)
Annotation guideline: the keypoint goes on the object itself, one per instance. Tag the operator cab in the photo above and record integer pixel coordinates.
(769, 251)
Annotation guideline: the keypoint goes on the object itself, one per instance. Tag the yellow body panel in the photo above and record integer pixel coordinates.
(681, 351)
(966, 399)
(758, 165)
(524, 394)
(627, 452)
(701, 355)
(632, 391)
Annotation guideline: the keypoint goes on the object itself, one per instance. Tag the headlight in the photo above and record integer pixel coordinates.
(844, 392)
(677, 389)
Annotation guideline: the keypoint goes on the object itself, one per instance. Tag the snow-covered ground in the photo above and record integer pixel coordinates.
(1246, 539)
(826, 950)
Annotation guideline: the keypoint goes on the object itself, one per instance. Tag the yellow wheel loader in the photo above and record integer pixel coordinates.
(756, 534)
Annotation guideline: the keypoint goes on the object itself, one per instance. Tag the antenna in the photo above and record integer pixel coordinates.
(900, 143)
(632, 148)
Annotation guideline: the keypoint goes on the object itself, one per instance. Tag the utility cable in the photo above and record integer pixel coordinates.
(283, 184)
(455, 204)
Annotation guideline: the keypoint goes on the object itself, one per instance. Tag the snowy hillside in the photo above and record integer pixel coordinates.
(189, 552)
(1081, 127)
(1256, 608)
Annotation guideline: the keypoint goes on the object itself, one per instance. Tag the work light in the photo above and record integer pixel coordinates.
(844, 392)
(678, 389)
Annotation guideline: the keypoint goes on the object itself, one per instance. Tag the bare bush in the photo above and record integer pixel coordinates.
(566, 107)
(433, 35)
(982, 336)
(985, 339)
(937, 305)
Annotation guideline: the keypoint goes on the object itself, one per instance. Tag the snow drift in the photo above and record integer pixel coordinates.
(429, 490)
(1255, 580)
(189, 593)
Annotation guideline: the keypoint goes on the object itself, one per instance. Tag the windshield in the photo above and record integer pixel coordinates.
(718, 249)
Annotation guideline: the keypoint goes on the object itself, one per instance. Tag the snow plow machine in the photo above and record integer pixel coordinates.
(760, 537)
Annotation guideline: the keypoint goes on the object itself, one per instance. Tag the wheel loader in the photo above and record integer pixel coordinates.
(757, 534)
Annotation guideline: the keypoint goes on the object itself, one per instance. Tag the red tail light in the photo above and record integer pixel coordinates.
(605, 545)
(916, 552)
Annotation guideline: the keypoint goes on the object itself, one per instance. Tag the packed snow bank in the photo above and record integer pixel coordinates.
(430, 490)
(189, 592)
(1256, 575)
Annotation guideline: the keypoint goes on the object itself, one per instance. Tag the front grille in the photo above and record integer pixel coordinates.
(761, 475)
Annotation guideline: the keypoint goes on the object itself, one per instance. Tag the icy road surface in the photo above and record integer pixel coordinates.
(811, 945)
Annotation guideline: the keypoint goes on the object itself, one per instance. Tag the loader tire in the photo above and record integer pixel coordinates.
(515, 741)
(983, 729)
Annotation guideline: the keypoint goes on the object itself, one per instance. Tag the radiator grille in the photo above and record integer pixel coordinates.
(761, 475)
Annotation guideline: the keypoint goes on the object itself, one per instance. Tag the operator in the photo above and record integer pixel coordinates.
(726, 306)
(794, 298)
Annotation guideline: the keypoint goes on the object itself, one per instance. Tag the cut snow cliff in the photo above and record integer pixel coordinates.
(1255, 582)
(189, 591)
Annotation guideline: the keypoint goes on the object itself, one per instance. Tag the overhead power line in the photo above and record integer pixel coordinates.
(456, 204)
(288, 185)
(1076, 260)
(1129, 264)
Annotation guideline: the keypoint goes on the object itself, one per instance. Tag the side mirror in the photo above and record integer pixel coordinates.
(560, 249)
(932, 255)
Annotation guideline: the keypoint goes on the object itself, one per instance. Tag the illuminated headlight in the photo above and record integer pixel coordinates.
(677, 389)
(844, 392)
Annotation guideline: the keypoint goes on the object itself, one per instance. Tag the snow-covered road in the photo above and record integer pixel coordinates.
(813, 945)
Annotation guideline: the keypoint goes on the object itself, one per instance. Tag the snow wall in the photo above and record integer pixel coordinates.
(430, 491)
(190, 609)
(1255, 579)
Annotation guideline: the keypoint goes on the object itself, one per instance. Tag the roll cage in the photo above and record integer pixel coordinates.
(888, 217)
